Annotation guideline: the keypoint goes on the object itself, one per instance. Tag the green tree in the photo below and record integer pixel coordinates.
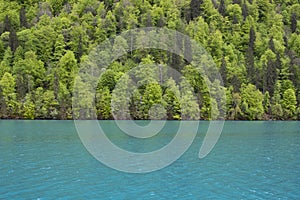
(236, 112)
(30, 74)
(44, 39)
(56, 6)
(68, 69)
(252, 102)
(50, 105)
(23, 18)
(7, 85)
(59, 48)
(151, 99)
(250, 57)
(171, 98)
(64, 100)
(121, 98)
(83, 100)
(103, 100)
(28, 107)
(266, 103)
(289, 104)
(6, 64)
(188, 103)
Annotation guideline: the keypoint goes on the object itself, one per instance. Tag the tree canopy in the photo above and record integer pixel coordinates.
(255, 44)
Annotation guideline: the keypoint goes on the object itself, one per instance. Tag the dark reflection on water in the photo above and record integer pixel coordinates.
(252, 160)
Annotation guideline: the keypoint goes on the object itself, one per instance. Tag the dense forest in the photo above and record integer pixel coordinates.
(254, 43)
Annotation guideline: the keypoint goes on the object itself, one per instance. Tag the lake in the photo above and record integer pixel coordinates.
(251, 160)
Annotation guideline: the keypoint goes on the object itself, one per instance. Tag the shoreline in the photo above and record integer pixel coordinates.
(201, 120)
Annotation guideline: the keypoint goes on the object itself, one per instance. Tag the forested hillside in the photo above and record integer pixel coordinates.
(254, 43)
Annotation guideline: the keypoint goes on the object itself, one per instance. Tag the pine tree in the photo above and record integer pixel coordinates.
(245, 11)
(195, 8)
(250, 57)
(13, 40)
(289, 103)
(23, 19)
(7, 24)
(223, 71)
(222, 8)
(294, 22)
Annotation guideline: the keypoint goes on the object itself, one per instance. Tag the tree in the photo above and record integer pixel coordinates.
(7, 85)
(245, 11)
(289, 104)
(110, 24)
(121, 99)
(195, 8)
(294, 22)
(42, 44)
(218, 100)
(7, 24)
(44, 39)
(56, 6)
(250, 57)
(136, 105)
(266, 103)
(23, 19)
(188, 103)
(270, 71)
(13, 40)
(40, 110)
(30, 74)
(222, 8)
(50, 105)
(83, 100)
(68, 69)
(223, 71)
(103, 99)
(199, 85)
(171, 98)
(215, 45)
(151, 99)
(6, 64)
(59, 48)
(120, 48)
(277, 112)
(28, 108)
(234, 110)
(252, 102)
(1, 50)
(45, 104)
(64, 101)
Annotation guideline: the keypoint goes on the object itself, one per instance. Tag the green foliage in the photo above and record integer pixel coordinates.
(67, 69)
(289, 103)
(189, 106)
(7, 86)
(28, 108)
(103, 100)
(252, 99)
(255, 44)
(171, 98)
(151, 98)
(6, 63)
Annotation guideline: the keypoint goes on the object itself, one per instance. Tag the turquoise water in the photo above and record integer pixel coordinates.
(252, 160)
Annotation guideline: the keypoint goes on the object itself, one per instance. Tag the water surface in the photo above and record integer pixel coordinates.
(252, 160)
